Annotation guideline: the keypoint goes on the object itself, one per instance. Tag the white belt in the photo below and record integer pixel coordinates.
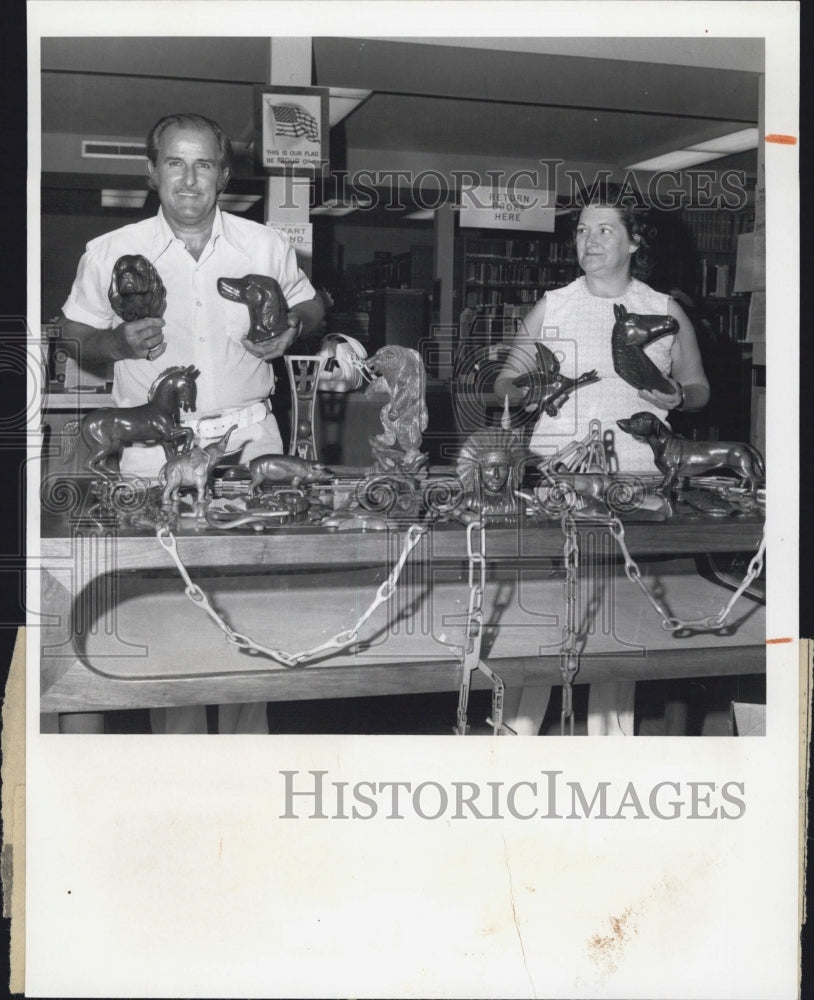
(217, 424)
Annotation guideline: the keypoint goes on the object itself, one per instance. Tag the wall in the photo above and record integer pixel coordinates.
(63, 242)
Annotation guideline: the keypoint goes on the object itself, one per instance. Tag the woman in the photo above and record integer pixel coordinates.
(613, 253)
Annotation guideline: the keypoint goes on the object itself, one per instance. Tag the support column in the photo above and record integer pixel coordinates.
(444, 261)
(287, 198)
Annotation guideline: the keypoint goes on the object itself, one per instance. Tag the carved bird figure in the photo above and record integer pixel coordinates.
(548, 388)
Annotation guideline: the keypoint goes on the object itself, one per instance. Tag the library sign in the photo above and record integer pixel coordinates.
(488, 207)
(299, 235)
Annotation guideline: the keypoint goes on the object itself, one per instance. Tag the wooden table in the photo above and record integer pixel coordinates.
(121, 634)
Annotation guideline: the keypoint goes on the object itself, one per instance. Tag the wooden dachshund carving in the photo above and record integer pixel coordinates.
(676, 457)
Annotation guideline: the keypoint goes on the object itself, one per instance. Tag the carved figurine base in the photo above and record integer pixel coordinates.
(395, 460)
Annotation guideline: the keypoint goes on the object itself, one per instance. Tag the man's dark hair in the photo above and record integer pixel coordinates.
(190, 121)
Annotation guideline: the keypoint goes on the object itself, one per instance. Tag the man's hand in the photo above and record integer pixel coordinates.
(140, 338)
(268, 350)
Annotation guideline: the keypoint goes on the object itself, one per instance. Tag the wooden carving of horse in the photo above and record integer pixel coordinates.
(157, 421)
(632, 332)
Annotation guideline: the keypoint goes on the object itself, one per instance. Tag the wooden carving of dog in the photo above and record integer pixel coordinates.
(262, 295)
(676, 457)
(136, 289)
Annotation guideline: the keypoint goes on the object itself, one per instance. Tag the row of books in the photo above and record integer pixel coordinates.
(476, 297)
(717, 232)
(502, 274)
(715, 280)
(730, 320)
(521, 250)
(500, 321)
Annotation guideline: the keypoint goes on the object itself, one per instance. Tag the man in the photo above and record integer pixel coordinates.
(191, 243)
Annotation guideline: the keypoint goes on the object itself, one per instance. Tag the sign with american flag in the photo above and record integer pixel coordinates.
(291, 130)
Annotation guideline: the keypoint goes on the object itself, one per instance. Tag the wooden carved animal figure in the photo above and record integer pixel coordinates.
(136, 289)
(268, 311)
(192, 468)
(286, 469)
(548, 387)
(631, 334)
(108, 430)
(399, 372)
(676, 457)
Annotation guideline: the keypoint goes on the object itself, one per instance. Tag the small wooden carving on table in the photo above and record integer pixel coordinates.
(191, 468)
(399, 372)
(490, 468)
(304, 373)
(157, 421)
(677, 457)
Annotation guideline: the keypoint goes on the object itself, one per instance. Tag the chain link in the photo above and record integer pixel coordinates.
(340, 641)
(569, 653)
(669, 622)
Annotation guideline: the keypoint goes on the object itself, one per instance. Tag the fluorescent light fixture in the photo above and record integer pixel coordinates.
(676, 160)
(335, 210)
(238, 202)
(342, 101)
(735, 142)
(334, 207)
(112, 198)
(422, 215)
(701, 152)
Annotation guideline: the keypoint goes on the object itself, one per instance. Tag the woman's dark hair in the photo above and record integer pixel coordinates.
(634, 215)
(190, 121)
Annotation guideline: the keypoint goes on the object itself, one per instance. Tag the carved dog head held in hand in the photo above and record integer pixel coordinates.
(136, 290)
(676, 457)
(268, 310)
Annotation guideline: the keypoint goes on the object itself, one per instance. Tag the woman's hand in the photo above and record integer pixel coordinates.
(664, 400)
(268, 350)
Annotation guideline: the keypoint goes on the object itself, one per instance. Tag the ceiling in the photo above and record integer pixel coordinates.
(449, 98)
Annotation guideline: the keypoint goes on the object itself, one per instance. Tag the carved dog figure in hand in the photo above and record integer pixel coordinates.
(268, 310)
(136, 289)
(676, 457)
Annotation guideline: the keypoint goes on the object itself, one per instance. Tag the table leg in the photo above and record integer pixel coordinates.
(82, 722)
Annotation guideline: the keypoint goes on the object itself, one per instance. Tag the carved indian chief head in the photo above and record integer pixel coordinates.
(490, 469)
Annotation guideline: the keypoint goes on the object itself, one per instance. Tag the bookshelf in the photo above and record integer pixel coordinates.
(498, 271)
(412, 269)
(714, 236)
(720, 318)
